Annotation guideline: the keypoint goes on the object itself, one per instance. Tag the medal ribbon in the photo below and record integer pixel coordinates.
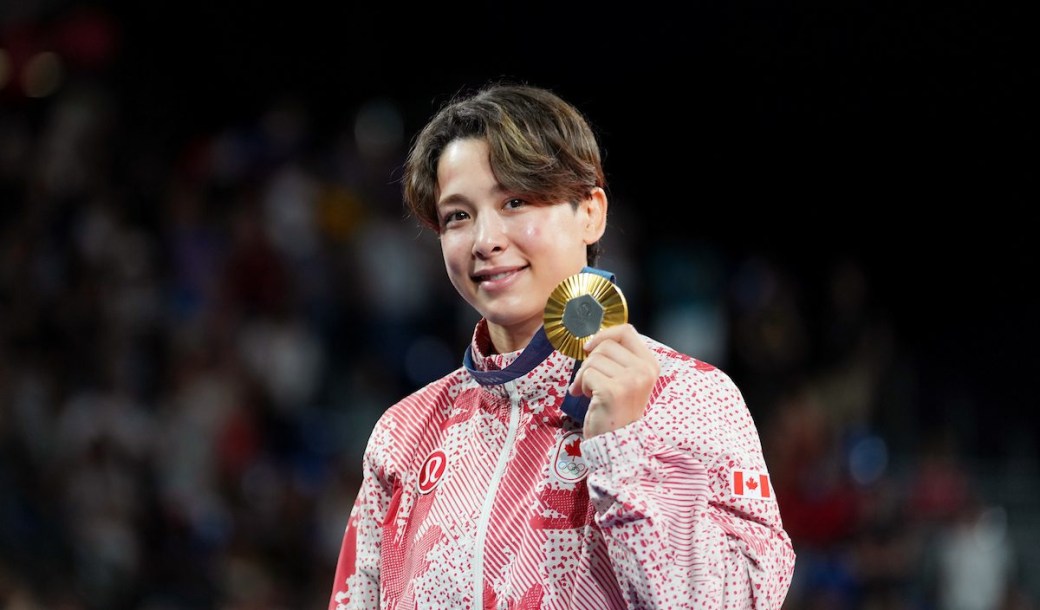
(535, 353)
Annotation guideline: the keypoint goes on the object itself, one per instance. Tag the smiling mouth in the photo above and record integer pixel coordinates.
(491, 277)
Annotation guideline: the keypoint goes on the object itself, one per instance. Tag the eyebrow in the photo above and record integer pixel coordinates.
(452, 201)
(459, 199)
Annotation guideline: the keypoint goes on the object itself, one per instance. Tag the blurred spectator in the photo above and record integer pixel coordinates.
(976, 561)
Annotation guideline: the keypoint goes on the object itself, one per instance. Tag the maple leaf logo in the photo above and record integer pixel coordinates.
(751, 484)
(566, 462)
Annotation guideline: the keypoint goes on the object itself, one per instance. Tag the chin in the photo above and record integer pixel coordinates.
(511, 318)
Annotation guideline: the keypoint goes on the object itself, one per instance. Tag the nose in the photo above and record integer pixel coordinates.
(489, 235)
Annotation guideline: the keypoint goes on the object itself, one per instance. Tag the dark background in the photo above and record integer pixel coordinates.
(782, 137)
(898, 132)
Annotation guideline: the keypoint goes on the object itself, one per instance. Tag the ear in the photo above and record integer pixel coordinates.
(595, 209)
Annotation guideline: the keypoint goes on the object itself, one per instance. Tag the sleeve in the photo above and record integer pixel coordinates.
(678, 533)
(356, 585)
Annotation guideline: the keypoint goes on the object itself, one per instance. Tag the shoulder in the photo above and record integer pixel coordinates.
(413, 422)
(683, 368)
(695, 403)
(428, 402)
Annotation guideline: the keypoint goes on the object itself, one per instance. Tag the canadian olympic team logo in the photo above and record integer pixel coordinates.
(567, 463)
(432, 471)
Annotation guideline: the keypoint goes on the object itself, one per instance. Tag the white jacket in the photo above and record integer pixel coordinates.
(487, 497)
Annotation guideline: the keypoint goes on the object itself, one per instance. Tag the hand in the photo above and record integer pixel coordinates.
(618, 375)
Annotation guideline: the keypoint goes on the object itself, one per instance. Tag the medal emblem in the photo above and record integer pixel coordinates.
(579, 307)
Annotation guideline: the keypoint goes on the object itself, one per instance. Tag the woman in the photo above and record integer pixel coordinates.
(632, 477)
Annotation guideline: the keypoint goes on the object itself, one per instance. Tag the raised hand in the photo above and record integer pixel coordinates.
(617, 375)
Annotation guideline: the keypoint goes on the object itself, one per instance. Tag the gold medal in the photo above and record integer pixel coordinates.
(578, 308)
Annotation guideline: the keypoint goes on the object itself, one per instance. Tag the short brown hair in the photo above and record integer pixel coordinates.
(540, 145)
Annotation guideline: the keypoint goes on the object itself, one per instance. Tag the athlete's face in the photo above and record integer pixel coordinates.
(503, 253)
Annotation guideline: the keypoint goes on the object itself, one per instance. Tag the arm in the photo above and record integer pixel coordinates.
(675, 538)
(356, 585)
(664, 451)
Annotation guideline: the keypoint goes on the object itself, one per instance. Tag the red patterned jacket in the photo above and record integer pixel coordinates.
(487, 497)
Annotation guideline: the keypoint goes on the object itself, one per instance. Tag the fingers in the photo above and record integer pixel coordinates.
(618, 375)
(624, 334)
(597, 373)
(617, 355)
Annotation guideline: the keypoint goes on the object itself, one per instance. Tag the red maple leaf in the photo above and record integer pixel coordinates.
(572, 506)
(573, 449)
(751, 484)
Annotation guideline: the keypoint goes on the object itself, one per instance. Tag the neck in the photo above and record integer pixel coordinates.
(511, 339)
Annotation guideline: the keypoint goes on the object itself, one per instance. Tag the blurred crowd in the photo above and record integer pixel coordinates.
(196, 337)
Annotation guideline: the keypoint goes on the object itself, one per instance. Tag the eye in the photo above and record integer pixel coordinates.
(515, 203)
(453, 216)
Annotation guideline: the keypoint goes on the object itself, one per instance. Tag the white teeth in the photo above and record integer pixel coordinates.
(493, 277)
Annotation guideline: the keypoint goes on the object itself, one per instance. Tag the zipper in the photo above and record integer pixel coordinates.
(489, 499)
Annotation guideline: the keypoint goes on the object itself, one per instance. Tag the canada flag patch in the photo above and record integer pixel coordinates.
(751, 484)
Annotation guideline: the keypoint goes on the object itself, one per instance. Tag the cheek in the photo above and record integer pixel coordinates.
(548, 234)
(530, 233)
(455, 253)
(537, 230)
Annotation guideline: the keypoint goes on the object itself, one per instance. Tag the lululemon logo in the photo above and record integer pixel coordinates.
(432, 471)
